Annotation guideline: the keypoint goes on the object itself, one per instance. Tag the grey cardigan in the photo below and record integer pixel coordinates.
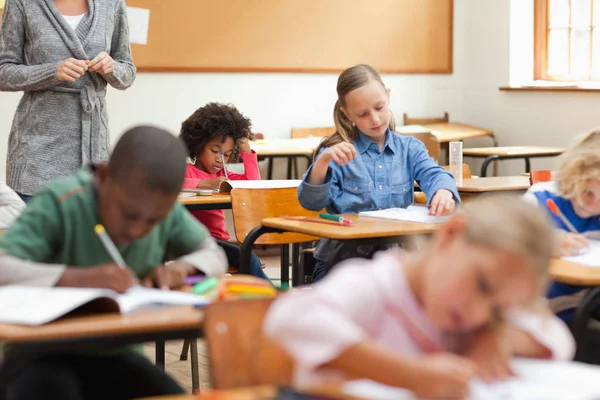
(58, 125)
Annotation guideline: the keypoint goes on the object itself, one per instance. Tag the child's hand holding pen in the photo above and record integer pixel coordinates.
(106, 276)
(169, 277)
(570, 244)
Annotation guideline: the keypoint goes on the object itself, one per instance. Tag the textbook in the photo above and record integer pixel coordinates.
(227, 186)
(533, 380)
(413, 213)
(31, 305)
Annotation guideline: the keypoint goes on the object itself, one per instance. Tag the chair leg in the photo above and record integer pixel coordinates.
(160, 354)
(195, 369)
(297, 270)
(285, 265)
(184, 350)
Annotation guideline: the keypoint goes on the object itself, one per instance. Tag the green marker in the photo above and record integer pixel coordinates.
(205, 286)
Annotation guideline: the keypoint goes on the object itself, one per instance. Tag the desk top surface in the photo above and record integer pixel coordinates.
(494, 184)
(153, 320)
(361, 228)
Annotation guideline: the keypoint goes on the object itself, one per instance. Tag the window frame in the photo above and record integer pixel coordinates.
(540, 40)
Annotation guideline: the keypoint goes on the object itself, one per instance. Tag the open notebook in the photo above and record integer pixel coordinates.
(226, 186)
(29, 305)
(413, 213)
(590, 257)
(534, 380)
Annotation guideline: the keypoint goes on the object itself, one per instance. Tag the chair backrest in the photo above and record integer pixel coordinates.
(298, 133)
(250, 206)
(239, 354)
(424, 121)
(431, 143)
(466, 170)
(258, 136)
(540, 175)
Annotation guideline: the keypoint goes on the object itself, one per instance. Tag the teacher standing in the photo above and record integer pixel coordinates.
(62, 54)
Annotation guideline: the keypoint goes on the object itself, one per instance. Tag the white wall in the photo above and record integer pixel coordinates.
(274, 102)
(528, 118)
(483, 61)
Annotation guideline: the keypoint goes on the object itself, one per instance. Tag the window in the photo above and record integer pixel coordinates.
(567, 40)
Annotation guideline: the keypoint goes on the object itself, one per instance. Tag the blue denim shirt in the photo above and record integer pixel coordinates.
(377, 179)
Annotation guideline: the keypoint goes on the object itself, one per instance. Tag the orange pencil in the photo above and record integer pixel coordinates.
(556, 211)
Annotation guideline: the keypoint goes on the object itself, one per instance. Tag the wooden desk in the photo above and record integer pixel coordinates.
(290, 149)
(455, 131)
(511, 152)
(494, 184)
(372, 230)
(574, 274)
(255, 393)
(96, 333)
(217, 201)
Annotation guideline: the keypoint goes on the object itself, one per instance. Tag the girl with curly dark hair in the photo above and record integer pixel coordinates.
(214, 135)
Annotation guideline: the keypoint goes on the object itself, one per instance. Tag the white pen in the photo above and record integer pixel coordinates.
(224, 169)
(110, 247)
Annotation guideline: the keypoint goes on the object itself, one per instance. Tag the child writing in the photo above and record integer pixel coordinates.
(216, 134)
(134, 197)
(430, 321)
(576, 193)
(365, 166)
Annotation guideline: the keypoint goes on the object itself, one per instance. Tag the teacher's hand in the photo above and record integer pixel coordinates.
(71, 69)
(442, 203)
(102, 64)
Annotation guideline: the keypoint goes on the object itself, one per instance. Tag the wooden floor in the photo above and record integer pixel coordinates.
(181, 370)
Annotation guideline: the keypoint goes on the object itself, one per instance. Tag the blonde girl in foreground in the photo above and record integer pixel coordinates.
(432, 320)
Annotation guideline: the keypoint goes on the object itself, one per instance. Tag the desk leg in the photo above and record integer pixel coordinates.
(495, 141)
(580, 321)
(486, 163)
(289, 167)
(270, 168)
(195, 368)
(527, 164)
(160, 354)
(246, 249)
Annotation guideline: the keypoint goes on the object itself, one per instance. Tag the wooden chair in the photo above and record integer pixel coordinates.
(250, 206)
(431, 143)
(540, 175)
(424, 121)
(238, 352)
(420, 197)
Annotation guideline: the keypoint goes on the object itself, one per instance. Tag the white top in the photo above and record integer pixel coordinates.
(73, 20)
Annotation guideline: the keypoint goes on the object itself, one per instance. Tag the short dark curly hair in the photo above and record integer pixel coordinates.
(211, 121)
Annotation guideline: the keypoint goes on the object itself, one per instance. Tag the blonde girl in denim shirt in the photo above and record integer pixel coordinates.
(366, 166)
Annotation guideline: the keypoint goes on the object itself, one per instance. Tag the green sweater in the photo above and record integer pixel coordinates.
(57, 227)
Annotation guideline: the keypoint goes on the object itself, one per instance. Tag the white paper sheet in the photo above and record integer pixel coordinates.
(590, 257)
(410, 214)
(138, 298)
(139, 23)
(535, 380)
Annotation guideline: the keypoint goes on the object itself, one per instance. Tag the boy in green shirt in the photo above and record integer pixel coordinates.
(135, 197)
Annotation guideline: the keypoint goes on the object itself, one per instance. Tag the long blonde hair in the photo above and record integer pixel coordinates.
(510, 224)
(349, 80)
(579, 165)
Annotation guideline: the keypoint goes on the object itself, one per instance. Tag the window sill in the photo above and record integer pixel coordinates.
(550, 88)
